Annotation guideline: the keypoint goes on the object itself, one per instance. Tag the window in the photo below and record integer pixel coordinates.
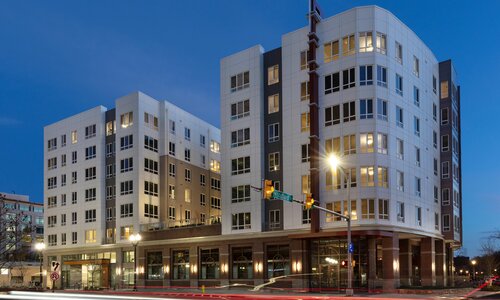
(240, 137)
(274, 219)
(416, 66)
(444, 116)
(445, 143)
(366, 142)
(418, 187)
(74, 237)
(171, 213)
(331, 51)
(366, 109)
(435, 167)
(240, 81)
(382, 109)
(332, 83)
(110, 192)
(90, 194)
(348, 78)
(242, 263)
(150, 166)
(63, 140)
(434, 84)
(444, 89)
(110, 128)
(382, 76)
(401, 211)
(187, 175)
(445, 170)
(382, 179)
(187, 134)
(154, 265)
(305, 152)
(151, 188)
(304, 90)
(90, 216)
(333, 146)
(365, 75)
(126, 210)
(74, 137)
(273, 131)
(348, 45)
(74, 218)
(202, 141)
(399, 53)
(110, 214)
(63, 160)
(399, 85)
(215, 184)
(52, 144)
(416, 96)
(240, 109)
(383, 209)
(63, 238)
(416, 126)
(400, 181)
(214, 146)
(151, 121)
(110, 149)
(399, 117)
(187, 216)
(90, 131)
(382, 143)
(90, 173)
(446, 222)
(126, 165)
(349, 110)
(63, 199)
(126, 142)
(214, 166)
(368, 208)
(180, 264)
(151, 211)
(367, 176)
(171, 126)
(274, 161)
(273, 74)
(51, 221)
(365, 42)
(215, 202)
(209, 261)
(435, 139)
(240, 165)
(52, 163)
(332, 115)
(417, 156)
(171, 148)
(126, 231)
(52, 239)
(304, 122)
(241, 221)
(74, 197)
(171, 191)
(304, 57)
(187, 154)
(74, 157)
(127, 119)
(278, 260)
(273, 102)
(349, 144)
(150, 143)
(240, 193)
(381, 44)
(126, 187)
(434, 111)
(418, 215)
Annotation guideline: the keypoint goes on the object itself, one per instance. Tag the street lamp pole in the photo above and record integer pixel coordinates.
(473, 262)
(40, 247)
(134, 239)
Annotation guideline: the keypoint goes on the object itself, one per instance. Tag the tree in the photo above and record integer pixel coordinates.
(16, 235)
(488, 259)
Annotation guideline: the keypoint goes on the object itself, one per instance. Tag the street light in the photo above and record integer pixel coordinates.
(40, 247)
(335, 163)
(474, 262)
(134, 239)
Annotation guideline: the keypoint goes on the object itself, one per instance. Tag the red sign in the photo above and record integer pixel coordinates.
(54, 276)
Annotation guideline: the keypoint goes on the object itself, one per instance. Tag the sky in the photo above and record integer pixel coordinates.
(59, 58)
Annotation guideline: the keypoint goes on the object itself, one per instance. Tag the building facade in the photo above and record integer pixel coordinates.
(142, 166)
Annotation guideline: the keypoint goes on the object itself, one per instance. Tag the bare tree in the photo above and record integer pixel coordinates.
(488, 258)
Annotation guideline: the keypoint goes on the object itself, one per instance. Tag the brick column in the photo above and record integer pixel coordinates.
(141, 265)
(297, 248)
(405, 263)
(194, 266)
(372, 262)
(440, 263)
(258, 260)
(390, 259)
(224, 264)
(449, 258)
(428, 261)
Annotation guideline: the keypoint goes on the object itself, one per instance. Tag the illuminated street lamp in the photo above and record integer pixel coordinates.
(335, 163)
(474, 262)
(134, 239)
(40, 247)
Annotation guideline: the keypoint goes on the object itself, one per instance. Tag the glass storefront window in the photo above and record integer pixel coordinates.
(180, 264)
(242, 263)
(278, 260)
(155, 266)
(209, 264)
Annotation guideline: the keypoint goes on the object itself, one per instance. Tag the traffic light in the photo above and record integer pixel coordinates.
(309, 201)
(268, 189)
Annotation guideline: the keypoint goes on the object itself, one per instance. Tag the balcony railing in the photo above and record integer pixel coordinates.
(175, 224)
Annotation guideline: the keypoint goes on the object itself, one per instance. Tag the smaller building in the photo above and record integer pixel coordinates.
(21, 226)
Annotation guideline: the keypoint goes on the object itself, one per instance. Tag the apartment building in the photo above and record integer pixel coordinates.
(145, 165)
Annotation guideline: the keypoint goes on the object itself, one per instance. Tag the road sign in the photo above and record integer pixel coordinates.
(55, 265)
(282, 196)
(351, 248)
(54, 276)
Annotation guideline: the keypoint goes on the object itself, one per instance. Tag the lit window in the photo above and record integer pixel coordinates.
(273, 103)
(273, 75)
(365, 42)
(381, 45)
(348, 45)
(304, 122)
(127, 119)
(331, 51)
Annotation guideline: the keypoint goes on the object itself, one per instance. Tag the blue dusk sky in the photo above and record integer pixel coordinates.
(59, 58)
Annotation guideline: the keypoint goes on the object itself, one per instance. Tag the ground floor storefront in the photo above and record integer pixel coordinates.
(317, 262)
